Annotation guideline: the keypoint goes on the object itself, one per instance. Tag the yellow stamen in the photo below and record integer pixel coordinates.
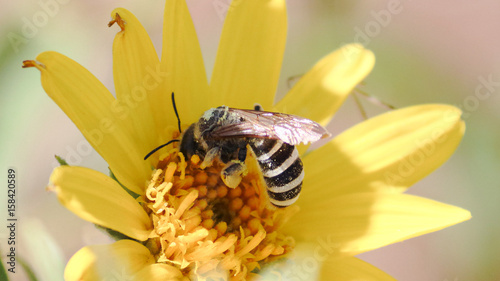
(252, 244)
(186, 202)
(169, 173)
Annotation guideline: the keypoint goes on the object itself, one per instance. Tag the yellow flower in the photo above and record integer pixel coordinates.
(184, 223)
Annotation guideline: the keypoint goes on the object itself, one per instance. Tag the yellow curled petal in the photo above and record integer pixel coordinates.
(182, 61)
(99, 199)
(351, 269)
(88, 104)
(138, 81)
(159, 271)
(391, 151)
(250, 54)
(322, 90)
(118, 261)
(360, 222)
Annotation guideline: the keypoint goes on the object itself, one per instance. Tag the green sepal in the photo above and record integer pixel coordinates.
(3, 272)
(114, 234)
(131, 193)
(27, 269)
(61, 161)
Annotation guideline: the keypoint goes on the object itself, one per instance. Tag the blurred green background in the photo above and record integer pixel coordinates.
(427, 52)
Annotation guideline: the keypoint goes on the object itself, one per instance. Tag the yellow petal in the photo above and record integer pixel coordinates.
(391, 151)
(322, 90)
(311, 260)
(182, 61)
(250, 53)
(360, 222)
(159, 271)
(137, 80)
(99, 199)
(118, 261)
(351, 269)
(88, 104)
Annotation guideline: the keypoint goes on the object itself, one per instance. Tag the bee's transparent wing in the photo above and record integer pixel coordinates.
(271, 125)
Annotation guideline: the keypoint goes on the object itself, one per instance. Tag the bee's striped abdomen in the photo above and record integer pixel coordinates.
(282, 170)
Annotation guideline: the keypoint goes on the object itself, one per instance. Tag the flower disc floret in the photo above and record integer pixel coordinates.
(206, 228)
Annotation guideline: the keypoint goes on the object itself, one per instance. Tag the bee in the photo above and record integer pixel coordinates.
(227, 133)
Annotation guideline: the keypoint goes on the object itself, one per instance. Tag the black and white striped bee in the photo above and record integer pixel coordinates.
(226, 133)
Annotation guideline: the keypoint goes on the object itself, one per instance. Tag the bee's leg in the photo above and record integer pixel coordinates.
(242, 153)
(231, 174)
(210, 157)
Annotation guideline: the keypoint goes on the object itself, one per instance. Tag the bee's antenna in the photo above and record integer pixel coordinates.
(158, 148)
(171, 141)
(176, 113)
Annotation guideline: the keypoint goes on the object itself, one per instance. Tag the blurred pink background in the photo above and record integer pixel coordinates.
(427, 52)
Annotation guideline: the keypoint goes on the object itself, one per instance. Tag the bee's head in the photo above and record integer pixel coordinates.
(189, 144)
(193, 141)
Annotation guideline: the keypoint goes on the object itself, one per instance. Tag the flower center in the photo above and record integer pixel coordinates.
(208, 229)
